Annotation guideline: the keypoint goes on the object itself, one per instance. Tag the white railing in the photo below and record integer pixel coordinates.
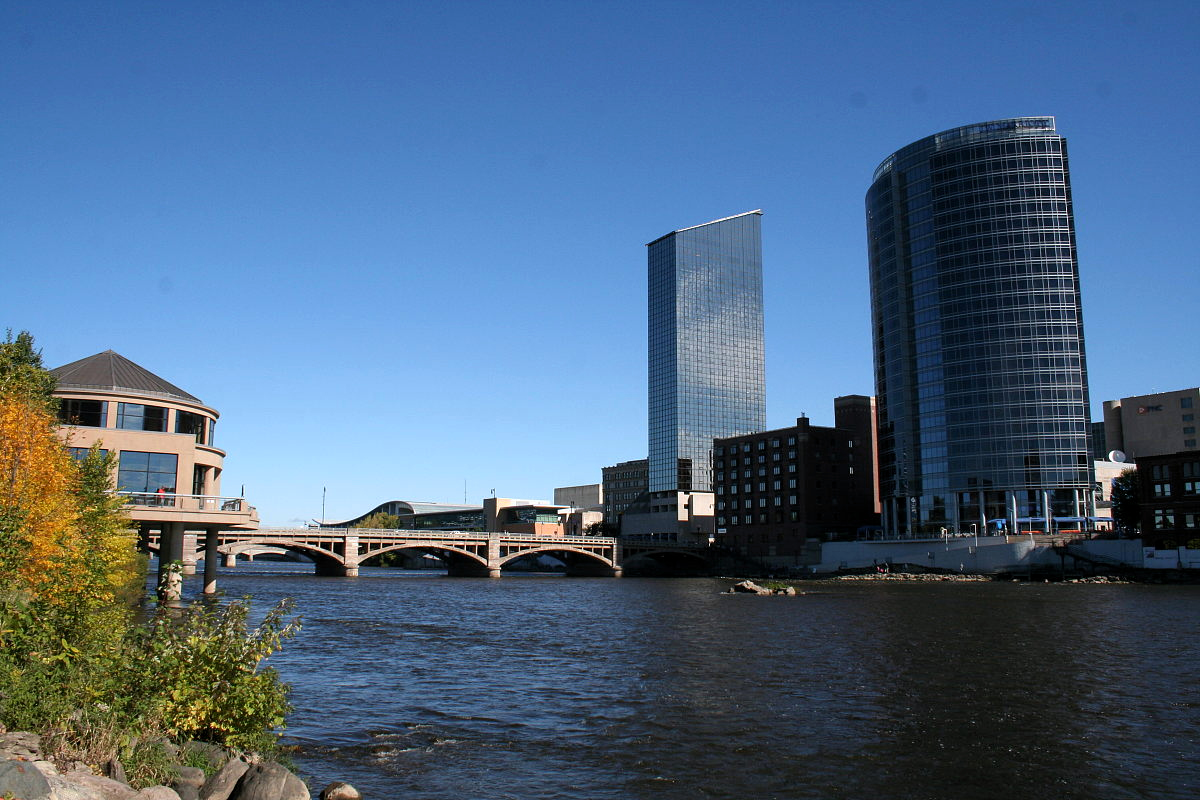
(184, 502)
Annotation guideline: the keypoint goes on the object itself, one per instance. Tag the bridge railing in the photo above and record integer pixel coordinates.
(185, 502)
(424, 534)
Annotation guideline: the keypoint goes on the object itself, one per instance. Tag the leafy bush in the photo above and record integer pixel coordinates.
(208, 661)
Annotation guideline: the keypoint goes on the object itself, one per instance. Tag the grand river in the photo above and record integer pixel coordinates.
(414, 685)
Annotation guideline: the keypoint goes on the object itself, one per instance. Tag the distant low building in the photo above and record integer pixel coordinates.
(417, 515)
(1152, 424)
(624, 483)
(503, 514)
(589, 496)
(672, 516)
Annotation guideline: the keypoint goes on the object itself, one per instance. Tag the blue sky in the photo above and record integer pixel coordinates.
(400, 246)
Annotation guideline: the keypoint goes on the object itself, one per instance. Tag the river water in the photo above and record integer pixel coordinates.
(414, 685)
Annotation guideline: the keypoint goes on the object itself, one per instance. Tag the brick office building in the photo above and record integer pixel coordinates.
(777, 489)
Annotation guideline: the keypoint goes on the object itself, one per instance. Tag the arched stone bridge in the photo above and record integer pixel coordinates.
(340, 551)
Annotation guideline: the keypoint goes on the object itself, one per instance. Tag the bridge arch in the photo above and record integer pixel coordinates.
(665, 561)
(458, 560)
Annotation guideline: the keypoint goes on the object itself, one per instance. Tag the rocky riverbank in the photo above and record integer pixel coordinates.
(26, 774)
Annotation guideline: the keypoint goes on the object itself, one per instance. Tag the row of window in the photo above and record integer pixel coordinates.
(1164, 519)
(748, 519)
(135, 417)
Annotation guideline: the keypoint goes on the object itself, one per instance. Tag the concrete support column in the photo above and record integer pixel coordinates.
(189, 553)
(170, 551)
(1010, 499)
(211, 539)
(493, 555)
(231, 560)
(350, 555)
(982, 512)
(1047, 512)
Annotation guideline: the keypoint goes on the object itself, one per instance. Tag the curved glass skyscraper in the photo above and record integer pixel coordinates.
(980, 373)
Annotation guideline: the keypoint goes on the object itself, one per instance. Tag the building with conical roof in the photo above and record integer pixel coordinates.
(168, 467)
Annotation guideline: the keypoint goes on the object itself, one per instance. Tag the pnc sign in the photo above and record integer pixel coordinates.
(1148, 409)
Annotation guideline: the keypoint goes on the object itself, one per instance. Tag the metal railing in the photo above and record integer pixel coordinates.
(184, 502)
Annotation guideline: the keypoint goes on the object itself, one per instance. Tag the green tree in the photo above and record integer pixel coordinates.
(380, 520)
(21, 371)
(1127, 501)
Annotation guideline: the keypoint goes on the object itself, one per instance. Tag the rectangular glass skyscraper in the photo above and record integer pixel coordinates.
(706, 376)
(980, 371)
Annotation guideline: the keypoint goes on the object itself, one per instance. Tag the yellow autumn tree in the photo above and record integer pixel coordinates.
(63, 539)
(37, 508)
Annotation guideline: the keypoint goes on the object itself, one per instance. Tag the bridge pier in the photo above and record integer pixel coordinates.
(334, 570)
(211, 540)
(189, 553)
(170, 551)
(231, 560)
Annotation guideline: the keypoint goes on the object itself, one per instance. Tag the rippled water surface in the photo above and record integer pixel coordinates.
(414, 685)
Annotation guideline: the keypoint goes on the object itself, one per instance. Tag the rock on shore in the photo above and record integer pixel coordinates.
(26, 775)
(750, 587)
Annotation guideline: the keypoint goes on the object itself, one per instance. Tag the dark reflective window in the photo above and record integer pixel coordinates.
(138, 417)
(147, 472)
(187, 422)
(85, 413)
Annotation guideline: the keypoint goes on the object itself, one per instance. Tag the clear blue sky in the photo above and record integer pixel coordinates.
(400, 246)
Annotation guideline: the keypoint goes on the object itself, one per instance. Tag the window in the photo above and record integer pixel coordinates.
(147, 472)
(199, 479)
(80, 453)
(187, 422)
(1185, 402)
(84, 413)
(1164, 518)
(1187, 429)
(137, 417)
(1162, 490)
(791, 483)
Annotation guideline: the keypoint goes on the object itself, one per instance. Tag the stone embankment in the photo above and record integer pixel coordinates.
(25, 774)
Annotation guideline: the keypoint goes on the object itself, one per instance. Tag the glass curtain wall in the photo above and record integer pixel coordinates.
(706, 377)
(981, 375)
